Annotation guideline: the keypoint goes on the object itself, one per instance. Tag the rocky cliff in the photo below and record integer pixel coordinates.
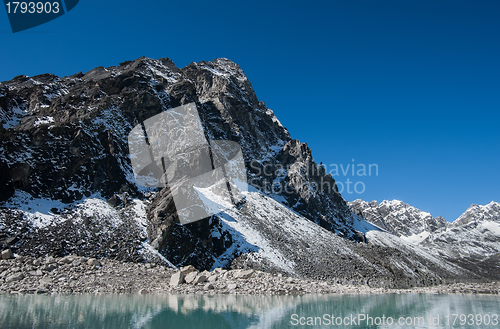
(64, 140)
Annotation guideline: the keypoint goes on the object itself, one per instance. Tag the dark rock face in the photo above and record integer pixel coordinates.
(66, 139)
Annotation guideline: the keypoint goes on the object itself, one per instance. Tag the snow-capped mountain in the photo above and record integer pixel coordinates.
(398, 218)
(472, 240)
(67, 184)
(63, 141)
(479, 214)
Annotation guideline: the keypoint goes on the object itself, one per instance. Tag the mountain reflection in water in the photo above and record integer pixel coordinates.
(238, 311)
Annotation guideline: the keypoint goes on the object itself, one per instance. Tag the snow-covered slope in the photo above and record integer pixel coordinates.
(271, 237)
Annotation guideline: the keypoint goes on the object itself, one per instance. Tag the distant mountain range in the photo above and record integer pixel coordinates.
(472, 240)
(67, 187)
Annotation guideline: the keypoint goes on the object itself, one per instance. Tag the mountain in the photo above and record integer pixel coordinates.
(479, 214)
(398, 218)
(68, 185)
(471, 241)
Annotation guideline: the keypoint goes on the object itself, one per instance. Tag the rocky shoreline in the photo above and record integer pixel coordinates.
(81, 275)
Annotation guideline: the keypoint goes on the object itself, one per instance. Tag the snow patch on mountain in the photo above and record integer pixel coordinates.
(493, 227)
(13, 117)
(37, 211)
(416, 238)
(43, 121)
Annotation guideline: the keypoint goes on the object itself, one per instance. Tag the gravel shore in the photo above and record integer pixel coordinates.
(80, 275)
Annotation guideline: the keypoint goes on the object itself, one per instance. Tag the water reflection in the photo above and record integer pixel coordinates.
(229, 311)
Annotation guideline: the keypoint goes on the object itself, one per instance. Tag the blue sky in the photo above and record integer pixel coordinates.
(412, 86)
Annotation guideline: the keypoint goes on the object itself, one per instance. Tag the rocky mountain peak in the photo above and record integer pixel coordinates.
(223, 66)
(477, 213)
(63, 143)
(397, 217)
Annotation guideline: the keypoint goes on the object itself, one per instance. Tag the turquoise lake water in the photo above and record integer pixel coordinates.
(230, 311)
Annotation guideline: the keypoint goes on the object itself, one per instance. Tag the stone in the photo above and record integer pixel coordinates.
(212, 278)
(93, 262)
(50, 260)
(77, 262)
(208, 286)
(37, 262)
(244, 274)
(191, 277)
(232, 286)
(200, 278)
(14, 277)
(7, 254)
(177, 279)
(143, 291)
(36, 273)
(48, 268)
(188, 269)
(9, 241)
(46, 281)
(115, 201)
(66, 260)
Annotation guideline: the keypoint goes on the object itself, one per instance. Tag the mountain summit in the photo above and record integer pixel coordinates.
(68, 185)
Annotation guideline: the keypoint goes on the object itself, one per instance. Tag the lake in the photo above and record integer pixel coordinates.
(240, 311)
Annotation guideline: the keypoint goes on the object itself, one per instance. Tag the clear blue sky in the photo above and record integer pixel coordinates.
(412, 86)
